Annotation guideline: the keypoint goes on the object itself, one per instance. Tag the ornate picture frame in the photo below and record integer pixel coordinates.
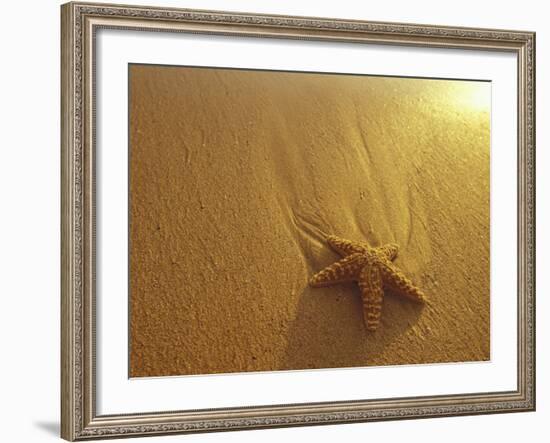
(80, 24)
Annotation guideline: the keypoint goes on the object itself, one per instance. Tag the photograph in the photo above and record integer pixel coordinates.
(285, 220)
(273, 220)
(277, 221)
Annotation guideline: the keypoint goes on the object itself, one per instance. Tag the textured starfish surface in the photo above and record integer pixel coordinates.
(373, 270)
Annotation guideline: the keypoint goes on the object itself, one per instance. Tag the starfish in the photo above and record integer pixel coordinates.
(373, 270)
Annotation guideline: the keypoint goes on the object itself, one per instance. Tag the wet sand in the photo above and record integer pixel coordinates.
(237, 176)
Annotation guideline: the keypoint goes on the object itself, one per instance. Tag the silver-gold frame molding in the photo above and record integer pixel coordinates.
(79, 22)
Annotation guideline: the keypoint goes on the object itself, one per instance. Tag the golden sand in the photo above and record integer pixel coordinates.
(236, 179)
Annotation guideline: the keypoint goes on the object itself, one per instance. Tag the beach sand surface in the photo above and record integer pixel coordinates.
(237, 177)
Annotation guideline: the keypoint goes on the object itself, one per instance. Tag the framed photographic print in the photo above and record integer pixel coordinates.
(281, 221)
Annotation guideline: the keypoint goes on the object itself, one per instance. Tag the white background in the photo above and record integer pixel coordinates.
(29, 221)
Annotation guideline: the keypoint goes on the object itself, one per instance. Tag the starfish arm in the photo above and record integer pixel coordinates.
(394, 279)
(344, 247)
(389, 251)
(344, 270)
(370, 282)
